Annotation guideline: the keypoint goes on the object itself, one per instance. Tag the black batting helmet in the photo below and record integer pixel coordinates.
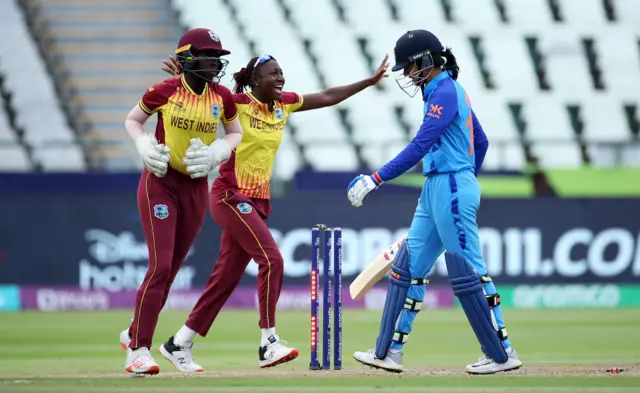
(416, 48)
(416, 45)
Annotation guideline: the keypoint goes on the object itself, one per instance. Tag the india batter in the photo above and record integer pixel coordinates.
(452, 145)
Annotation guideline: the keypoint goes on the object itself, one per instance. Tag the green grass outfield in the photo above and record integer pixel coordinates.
(562, 351)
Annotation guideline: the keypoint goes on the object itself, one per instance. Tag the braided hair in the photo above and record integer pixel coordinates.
(243, 78)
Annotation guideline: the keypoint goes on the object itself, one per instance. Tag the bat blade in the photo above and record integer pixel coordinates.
(374, 272)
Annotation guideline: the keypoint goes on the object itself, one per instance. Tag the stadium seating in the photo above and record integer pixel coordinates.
(113, 53)
(34, 99)
(552, 80)
(527, 54)
(14, 157)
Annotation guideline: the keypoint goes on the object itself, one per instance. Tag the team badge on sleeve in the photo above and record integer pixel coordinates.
(161, 211)
(215, 111)
(244, 208)
(435, 111)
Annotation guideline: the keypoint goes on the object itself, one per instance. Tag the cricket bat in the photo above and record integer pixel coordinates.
(374, 272)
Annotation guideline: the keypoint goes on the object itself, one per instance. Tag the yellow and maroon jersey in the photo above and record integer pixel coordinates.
(250, 165)
(183, 114)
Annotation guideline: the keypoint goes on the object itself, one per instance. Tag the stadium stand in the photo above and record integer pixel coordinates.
(553, 81)
(538, 71)
(39, 122)
(111, 53)
(14, 156)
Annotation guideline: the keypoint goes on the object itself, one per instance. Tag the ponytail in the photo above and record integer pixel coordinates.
(243, 77)
(449, 63)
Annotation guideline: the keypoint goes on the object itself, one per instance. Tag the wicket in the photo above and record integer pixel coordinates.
(331, 245)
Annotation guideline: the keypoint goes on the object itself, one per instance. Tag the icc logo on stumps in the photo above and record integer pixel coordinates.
(161, 211)
(215, 111)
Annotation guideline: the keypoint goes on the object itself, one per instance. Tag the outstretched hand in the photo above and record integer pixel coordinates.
(381, 72)
(171, 66)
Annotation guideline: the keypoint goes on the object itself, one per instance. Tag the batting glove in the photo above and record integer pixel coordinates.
(200, 159)
(154, 156)
(360, 187)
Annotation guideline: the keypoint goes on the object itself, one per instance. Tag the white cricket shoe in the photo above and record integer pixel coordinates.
(180, 356)
(125, 340)
(486, 365)
(140, 363)
(275, 352)
(392, 362)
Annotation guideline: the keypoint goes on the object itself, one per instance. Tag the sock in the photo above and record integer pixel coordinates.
(266, 333)
(394, 350)
(184, 334)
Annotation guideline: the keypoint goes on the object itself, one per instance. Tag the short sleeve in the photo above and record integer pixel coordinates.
(156, 96)
(230, 112)
(292, 101)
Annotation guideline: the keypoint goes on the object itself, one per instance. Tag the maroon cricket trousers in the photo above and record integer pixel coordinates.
(172, 210)
(245, 236)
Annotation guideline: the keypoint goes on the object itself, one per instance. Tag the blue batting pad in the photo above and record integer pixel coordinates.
(467, 286)
(399, 282)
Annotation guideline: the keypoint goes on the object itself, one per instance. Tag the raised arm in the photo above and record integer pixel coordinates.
(335, 95)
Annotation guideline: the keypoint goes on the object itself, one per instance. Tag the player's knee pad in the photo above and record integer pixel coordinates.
(467, 286)
(399, 298)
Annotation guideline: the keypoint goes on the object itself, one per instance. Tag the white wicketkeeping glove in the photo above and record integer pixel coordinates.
(154, 156)
(200, 159)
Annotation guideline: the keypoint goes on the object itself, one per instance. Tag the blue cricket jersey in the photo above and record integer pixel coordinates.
(450, 139)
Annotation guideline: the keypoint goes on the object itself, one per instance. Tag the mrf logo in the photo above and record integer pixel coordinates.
(435, 111)
(161, 211)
